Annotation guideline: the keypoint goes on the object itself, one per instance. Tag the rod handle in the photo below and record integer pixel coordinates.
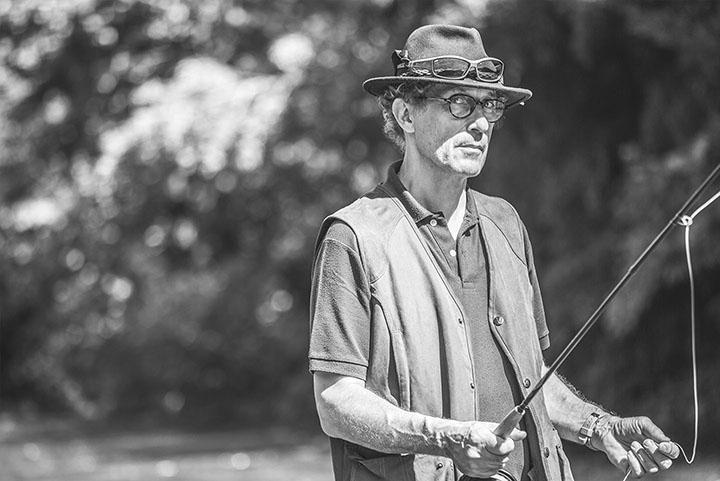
(510, 422)
(502, 430)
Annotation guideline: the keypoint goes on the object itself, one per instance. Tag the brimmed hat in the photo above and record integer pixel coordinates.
(437, 40)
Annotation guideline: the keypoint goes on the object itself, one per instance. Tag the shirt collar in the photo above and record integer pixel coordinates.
(396, 187)
(414, 208)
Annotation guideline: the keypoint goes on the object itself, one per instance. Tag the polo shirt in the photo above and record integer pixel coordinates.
(341, 311)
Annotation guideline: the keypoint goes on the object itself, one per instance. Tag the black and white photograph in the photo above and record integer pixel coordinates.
(359, 240)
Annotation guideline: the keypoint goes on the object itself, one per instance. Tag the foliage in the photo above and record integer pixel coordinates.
(166, 164)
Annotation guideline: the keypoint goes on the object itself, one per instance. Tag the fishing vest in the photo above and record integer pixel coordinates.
(420, 357)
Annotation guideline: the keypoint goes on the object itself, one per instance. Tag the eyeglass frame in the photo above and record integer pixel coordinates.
(405, 63)
(475, 103)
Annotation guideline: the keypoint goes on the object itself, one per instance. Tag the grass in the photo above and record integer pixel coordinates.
(62, 452)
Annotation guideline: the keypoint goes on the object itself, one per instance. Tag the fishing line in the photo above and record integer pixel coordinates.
(687, 221)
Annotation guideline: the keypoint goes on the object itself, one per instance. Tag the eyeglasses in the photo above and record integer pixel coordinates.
(451, 67)
(462, 105)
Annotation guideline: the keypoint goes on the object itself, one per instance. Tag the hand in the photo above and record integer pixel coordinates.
(634, 442)
(481, 453)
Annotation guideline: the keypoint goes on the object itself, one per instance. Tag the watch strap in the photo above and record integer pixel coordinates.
(588, 428)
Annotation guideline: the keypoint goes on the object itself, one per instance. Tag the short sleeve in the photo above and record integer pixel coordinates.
(340, 306)
(538, 308)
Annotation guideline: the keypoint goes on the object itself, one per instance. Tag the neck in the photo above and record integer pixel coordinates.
(432, 187)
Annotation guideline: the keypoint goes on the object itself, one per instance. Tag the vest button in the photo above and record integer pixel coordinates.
(460, 320)
(499, 320)
(546, 452)
(472, 385)
(433, 222)
(526, 382)
(439, 465)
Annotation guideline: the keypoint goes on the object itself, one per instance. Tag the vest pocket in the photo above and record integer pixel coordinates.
(419, 467)
(401, 367)
(432, 468)
(385, 468)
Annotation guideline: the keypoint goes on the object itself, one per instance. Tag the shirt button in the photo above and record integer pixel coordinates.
(452, 252)
(460, 320)
(499, 320)
(433, 222)
(472, 385)
(526, 382)
(439, 465)
(546, 452)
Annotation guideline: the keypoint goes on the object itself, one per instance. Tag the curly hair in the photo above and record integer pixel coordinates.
(410, 92)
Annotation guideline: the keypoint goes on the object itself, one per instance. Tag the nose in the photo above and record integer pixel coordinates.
(480, 125)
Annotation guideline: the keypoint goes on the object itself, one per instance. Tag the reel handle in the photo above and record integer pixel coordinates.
(502, 430)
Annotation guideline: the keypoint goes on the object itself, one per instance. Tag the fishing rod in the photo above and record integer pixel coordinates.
(513, 418)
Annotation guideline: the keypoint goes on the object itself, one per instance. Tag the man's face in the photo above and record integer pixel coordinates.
(456, 146)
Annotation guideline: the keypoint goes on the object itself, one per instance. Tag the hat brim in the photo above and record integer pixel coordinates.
(376, 86)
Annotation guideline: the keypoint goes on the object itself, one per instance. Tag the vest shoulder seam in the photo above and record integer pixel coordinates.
(386, 267)
(365, 235)
(477, 196)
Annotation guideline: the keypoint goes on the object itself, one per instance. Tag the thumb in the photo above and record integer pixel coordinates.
(652, 430)
(517, 435)
(502, 447)
(669, 449)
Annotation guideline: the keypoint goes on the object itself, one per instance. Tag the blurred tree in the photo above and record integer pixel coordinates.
(165, 166)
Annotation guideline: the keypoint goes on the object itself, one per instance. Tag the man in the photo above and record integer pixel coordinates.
(427, 320)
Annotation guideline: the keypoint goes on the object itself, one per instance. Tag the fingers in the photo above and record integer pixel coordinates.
(496, 464)
(651, 430)
(646, 458)
(482, 453)
(662, 460)
(635, 465)
(656, 444)
(482, 463)
(646, 461)
(488, 457)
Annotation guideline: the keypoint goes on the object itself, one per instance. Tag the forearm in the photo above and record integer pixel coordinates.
(350, 411)
(567, 410)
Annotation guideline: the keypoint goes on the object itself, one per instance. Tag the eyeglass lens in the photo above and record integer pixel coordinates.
(450, 68)
(489, 70)
(462, 106)
(455, 68)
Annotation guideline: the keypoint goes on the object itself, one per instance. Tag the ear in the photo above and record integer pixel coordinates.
(403, 116)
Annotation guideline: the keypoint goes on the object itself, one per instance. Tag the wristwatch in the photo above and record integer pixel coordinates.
(588, 428)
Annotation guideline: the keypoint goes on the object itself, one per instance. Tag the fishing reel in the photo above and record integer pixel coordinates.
(501, 475)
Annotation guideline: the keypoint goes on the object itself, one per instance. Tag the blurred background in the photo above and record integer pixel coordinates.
(165, 166)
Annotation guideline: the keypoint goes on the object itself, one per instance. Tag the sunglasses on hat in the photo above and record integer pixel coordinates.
(451, 67)
(451, 55)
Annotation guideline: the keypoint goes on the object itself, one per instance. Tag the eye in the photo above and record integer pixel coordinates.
(460, 99)
(493, 104)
